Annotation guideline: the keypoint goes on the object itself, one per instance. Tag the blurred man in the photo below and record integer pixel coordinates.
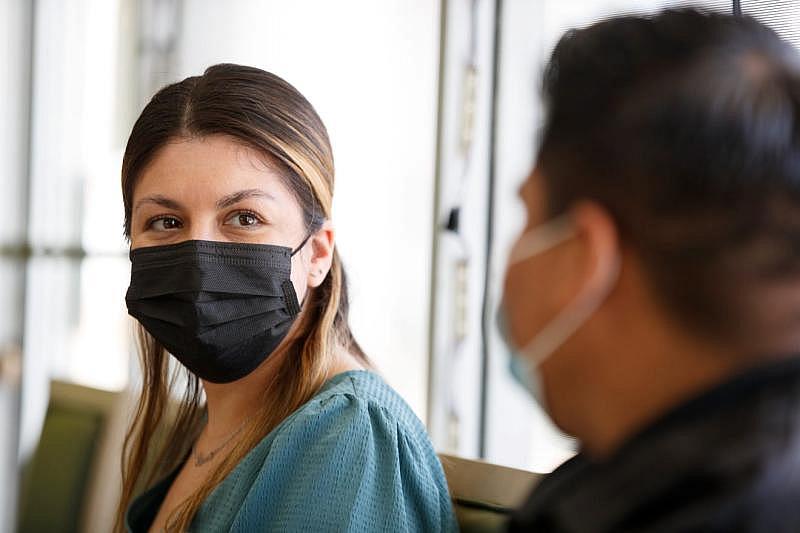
(653, 299)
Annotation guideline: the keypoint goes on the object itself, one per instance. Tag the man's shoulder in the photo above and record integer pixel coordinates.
(729, 460)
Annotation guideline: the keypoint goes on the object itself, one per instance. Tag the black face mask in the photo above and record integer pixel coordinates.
(220, 308)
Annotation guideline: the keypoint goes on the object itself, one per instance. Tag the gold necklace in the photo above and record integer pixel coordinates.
(201, 459)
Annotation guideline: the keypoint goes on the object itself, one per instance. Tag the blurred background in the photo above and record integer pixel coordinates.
(432, 107)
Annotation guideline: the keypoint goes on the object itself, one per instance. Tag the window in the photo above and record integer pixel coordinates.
(781, 15)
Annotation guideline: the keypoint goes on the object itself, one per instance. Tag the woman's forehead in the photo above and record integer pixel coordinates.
(209, 168)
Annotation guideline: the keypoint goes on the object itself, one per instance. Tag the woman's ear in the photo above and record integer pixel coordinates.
(321, 246)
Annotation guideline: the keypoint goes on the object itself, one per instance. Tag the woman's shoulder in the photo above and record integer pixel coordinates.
(353, 458)
(352, 399)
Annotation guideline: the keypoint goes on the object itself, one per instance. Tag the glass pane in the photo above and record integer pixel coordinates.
(76, 329)
(78, 105)
(75, 324)
(15, 49)
(11, 298)
(51, 306)
(13, 129)
(99, 338)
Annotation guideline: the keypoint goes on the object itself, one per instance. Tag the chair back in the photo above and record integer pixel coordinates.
(72, 481)
(485, 494)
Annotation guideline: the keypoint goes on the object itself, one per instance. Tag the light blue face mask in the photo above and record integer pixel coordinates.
(525, 376)
(525, 360)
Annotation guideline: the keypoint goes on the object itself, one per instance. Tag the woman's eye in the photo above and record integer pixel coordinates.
(243, 219)
(165, 224)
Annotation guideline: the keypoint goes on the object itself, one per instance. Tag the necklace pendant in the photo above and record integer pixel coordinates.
(200, 460)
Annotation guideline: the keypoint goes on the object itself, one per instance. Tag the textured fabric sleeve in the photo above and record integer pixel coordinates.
(346, 464)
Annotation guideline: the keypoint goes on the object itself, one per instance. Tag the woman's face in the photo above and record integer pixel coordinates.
(215, 189)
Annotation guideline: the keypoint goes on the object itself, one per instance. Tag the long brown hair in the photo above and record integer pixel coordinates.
(267, 114)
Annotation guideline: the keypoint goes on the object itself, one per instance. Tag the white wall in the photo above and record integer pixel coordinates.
(369, 68)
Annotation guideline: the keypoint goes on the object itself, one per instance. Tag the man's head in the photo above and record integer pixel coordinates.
(672, 144)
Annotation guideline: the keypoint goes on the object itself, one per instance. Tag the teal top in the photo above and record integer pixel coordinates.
(353, 458)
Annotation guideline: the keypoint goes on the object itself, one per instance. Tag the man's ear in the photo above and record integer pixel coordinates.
(321, 245)
(599, 236)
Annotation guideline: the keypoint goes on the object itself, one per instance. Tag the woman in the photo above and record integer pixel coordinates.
(227, 185)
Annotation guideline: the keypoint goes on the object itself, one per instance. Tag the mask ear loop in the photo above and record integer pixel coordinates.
(300, 247)
(294, 305)
(289, 293)
(309, 230)
(542, 239)
(571, 318)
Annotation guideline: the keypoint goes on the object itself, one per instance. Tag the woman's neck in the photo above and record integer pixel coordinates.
(229, 405)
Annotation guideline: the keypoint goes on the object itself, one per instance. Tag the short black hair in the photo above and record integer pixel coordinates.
(685, 125)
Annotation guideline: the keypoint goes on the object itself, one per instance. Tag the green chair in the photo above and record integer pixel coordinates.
(61, 479)
(484, 495)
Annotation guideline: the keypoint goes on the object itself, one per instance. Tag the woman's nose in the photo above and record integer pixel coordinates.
(205, 230)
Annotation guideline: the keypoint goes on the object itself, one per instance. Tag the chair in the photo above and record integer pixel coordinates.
(72, 482)
(484, 494)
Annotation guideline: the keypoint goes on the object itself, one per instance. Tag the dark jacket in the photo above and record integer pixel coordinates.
(728, 460)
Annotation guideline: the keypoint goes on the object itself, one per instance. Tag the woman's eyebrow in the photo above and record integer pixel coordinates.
(236, 197)
(158, 200)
